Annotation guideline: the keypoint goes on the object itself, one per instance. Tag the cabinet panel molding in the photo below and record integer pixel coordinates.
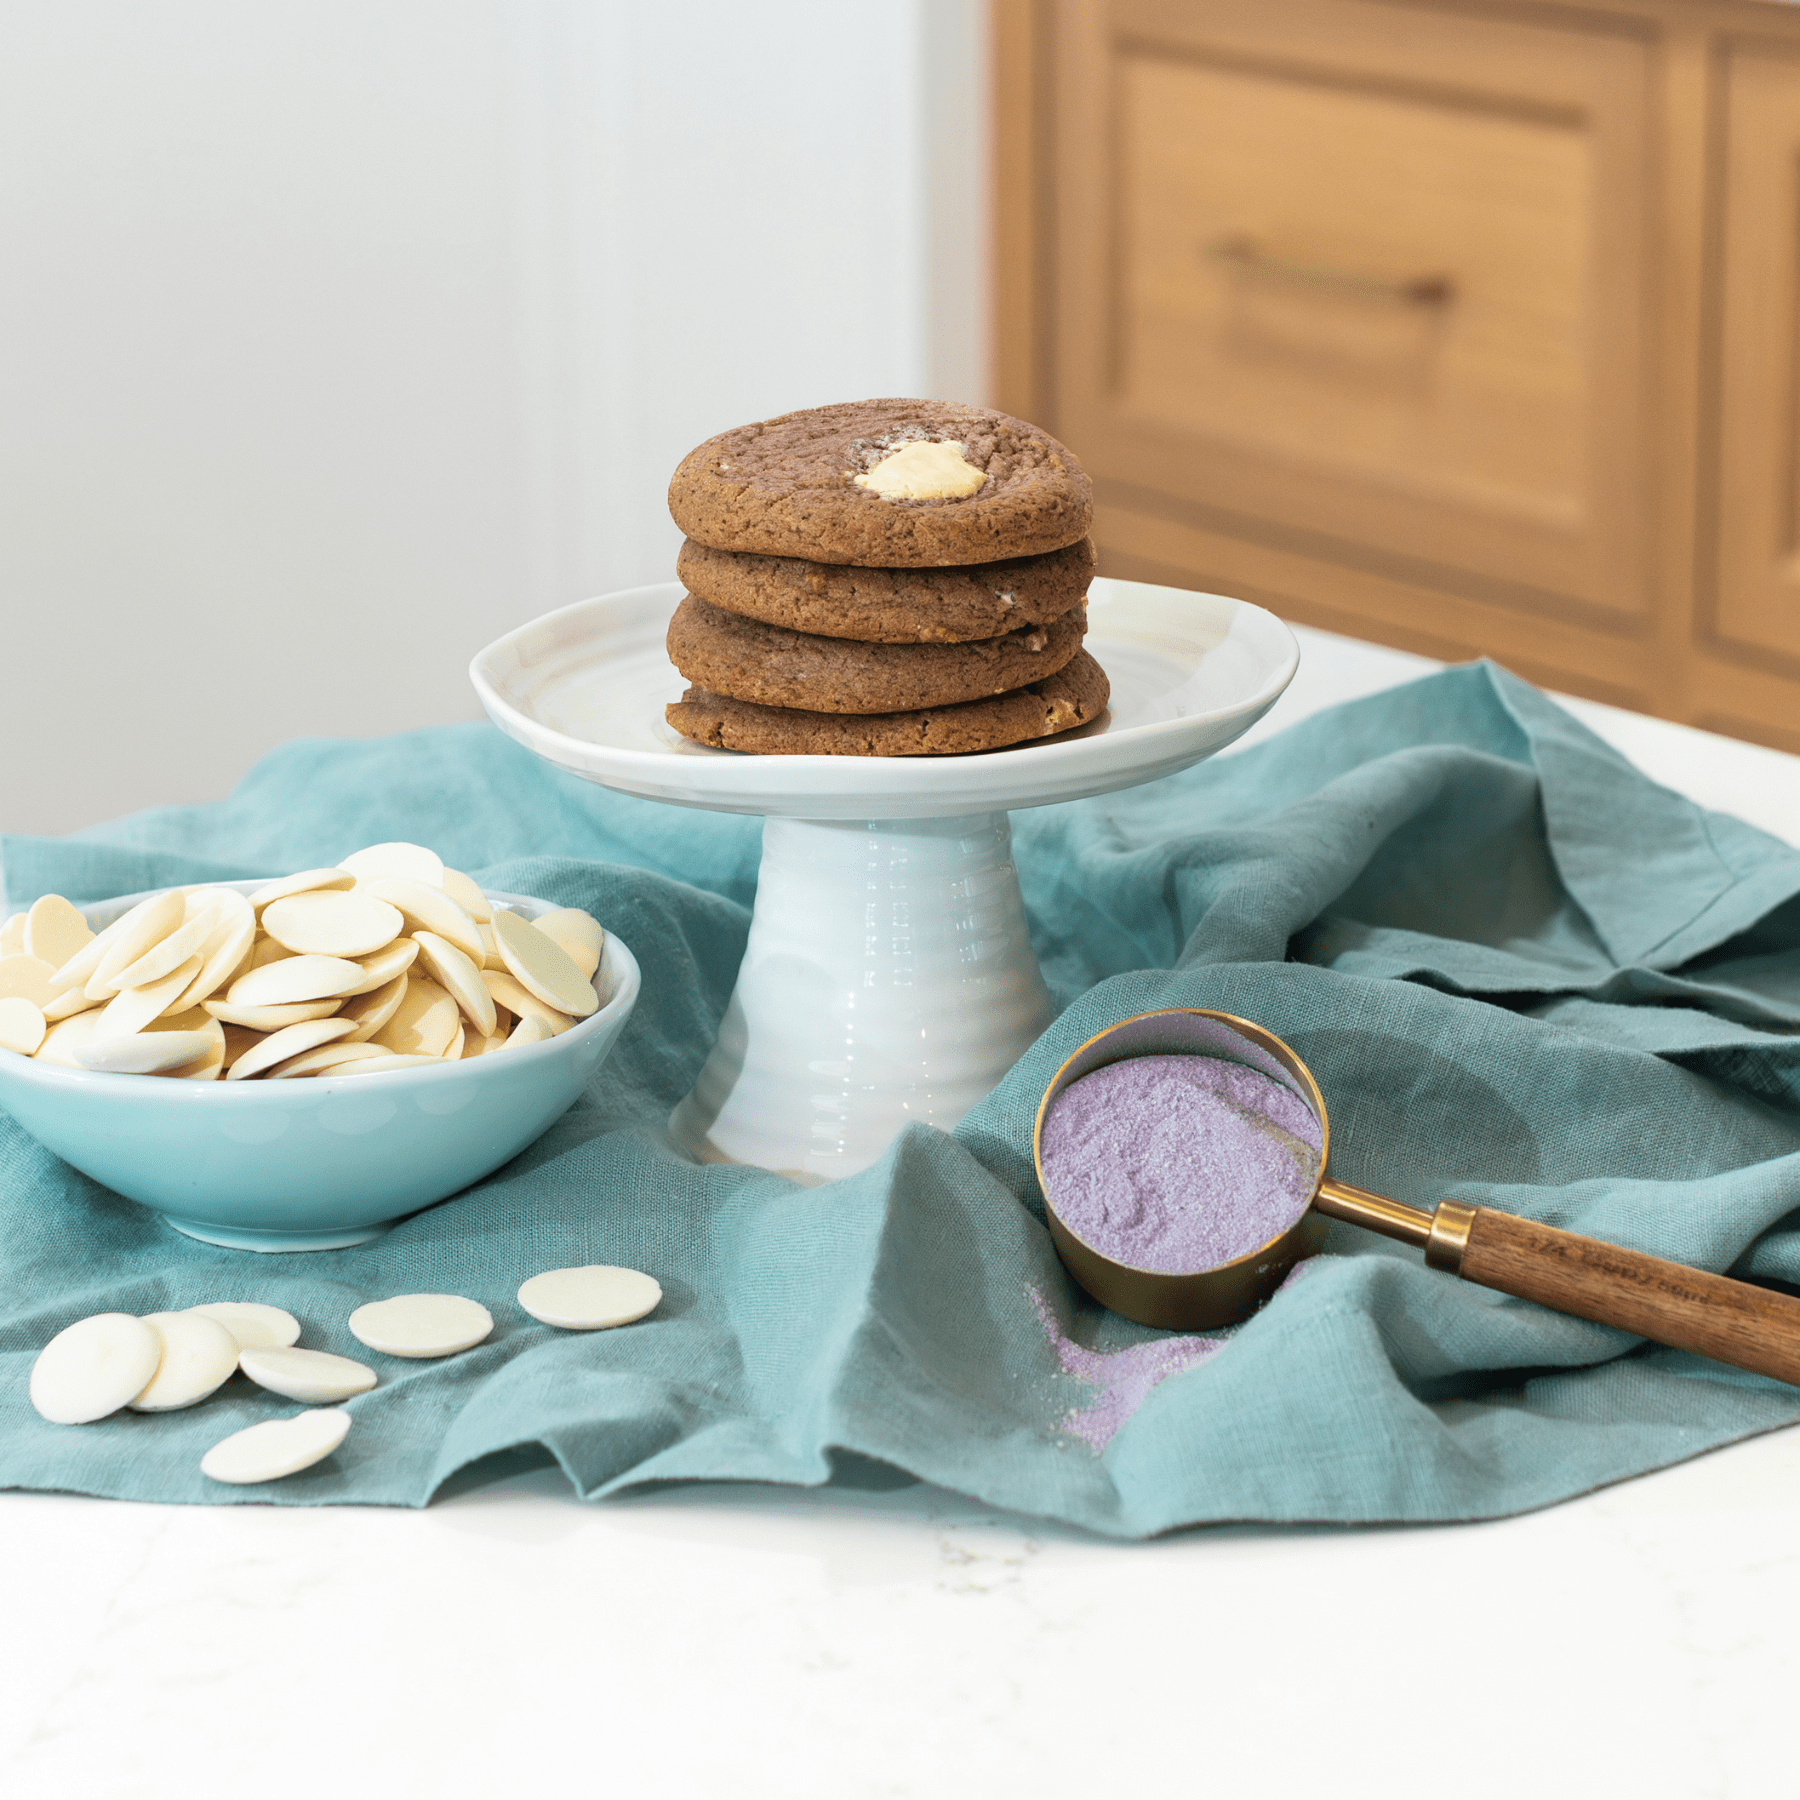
(1368, 603)
(1756, 604)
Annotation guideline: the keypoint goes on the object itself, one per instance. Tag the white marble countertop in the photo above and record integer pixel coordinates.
(752, 1642)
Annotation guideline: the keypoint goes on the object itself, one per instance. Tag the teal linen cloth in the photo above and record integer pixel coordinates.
(1524, 976)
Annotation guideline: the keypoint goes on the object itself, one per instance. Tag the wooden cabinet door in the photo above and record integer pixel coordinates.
(1363, 280)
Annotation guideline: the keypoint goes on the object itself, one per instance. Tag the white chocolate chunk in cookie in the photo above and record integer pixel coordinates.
(924, 472)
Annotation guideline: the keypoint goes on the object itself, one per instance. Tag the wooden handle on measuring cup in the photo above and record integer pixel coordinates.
(1731, 1321)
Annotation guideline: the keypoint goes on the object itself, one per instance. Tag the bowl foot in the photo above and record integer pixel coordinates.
(231, 1238)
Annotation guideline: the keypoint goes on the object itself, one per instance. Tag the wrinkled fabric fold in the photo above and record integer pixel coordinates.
(1524, 975)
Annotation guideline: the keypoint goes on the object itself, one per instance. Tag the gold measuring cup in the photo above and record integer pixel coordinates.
(1731, 1321)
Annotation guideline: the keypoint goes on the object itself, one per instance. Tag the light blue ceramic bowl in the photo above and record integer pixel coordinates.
(320, 1163)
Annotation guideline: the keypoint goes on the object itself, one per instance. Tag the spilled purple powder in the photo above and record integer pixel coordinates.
(1124, 1378)
(1179, 1163)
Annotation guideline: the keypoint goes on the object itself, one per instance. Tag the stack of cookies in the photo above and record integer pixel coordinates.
(889, 578)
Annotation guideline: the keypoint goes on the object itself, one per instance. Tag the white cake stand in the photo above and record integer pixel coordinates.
(888, 976)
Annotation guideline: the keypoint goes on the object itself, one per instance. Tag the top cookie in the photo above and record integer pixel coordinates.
(895, 484)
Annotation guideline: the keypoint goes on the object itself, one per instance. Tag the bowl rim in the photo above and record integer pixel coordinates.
(627, 980)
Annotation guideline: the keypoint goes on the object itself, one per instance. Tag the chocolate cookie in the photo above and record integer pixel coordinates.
(891, 606)
(896, 484)
(1069, 698)
(747, 660)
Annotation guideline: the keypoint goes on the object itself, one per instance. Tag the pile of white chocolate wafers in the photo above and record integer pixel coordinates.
(387, 960)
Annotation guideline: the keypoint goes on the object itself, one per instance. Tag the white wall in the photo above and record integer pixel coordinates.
(337, 336)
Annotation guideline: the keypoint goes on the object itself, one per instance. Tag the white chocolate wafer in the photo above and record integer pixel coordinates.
(270, 1018)
(329, 924)
(369, 1012)
(22, 1025)
(460, 978)
(54, 931)
(198, 1355)
(276, 1448)
(381, 1065)
(594, 1298)
(421, 1325)
(132, 1008)
(128, 938)
(308, 881)
(384, 965)
(294, 980)
(75, 972)
(267, 950)
(93, 1367)
(431, 909)
(526, 1005)
(68, 1003)
(467, 894)
(238, 1039)
(254, 1323)
(411, 862)
(315, 1376)
(189, 1018)
(291, 1040)
(12, 936)
(529, 1030)
(211, 1064)
(27, 977)
(326, 1060)
(63, 1039)
(423, 1024)
(143, 1052)
(578, 934)
(543, 967)
(228, 945)
(188, 939)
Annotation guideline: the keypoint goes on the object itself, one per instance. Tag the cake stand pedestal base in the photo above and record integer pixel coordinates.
(889, 977)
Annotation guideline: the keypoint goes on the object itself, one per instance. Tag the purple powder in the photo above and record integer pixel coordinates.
(1178, 1164)
(1124, 1378)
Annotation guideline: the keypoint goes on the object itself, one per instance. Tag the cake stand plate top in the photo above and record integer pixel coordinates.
(585, 689)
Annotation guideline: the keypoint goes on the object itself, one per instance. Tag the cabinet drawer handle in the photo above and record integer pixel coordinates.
(1245, 257)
